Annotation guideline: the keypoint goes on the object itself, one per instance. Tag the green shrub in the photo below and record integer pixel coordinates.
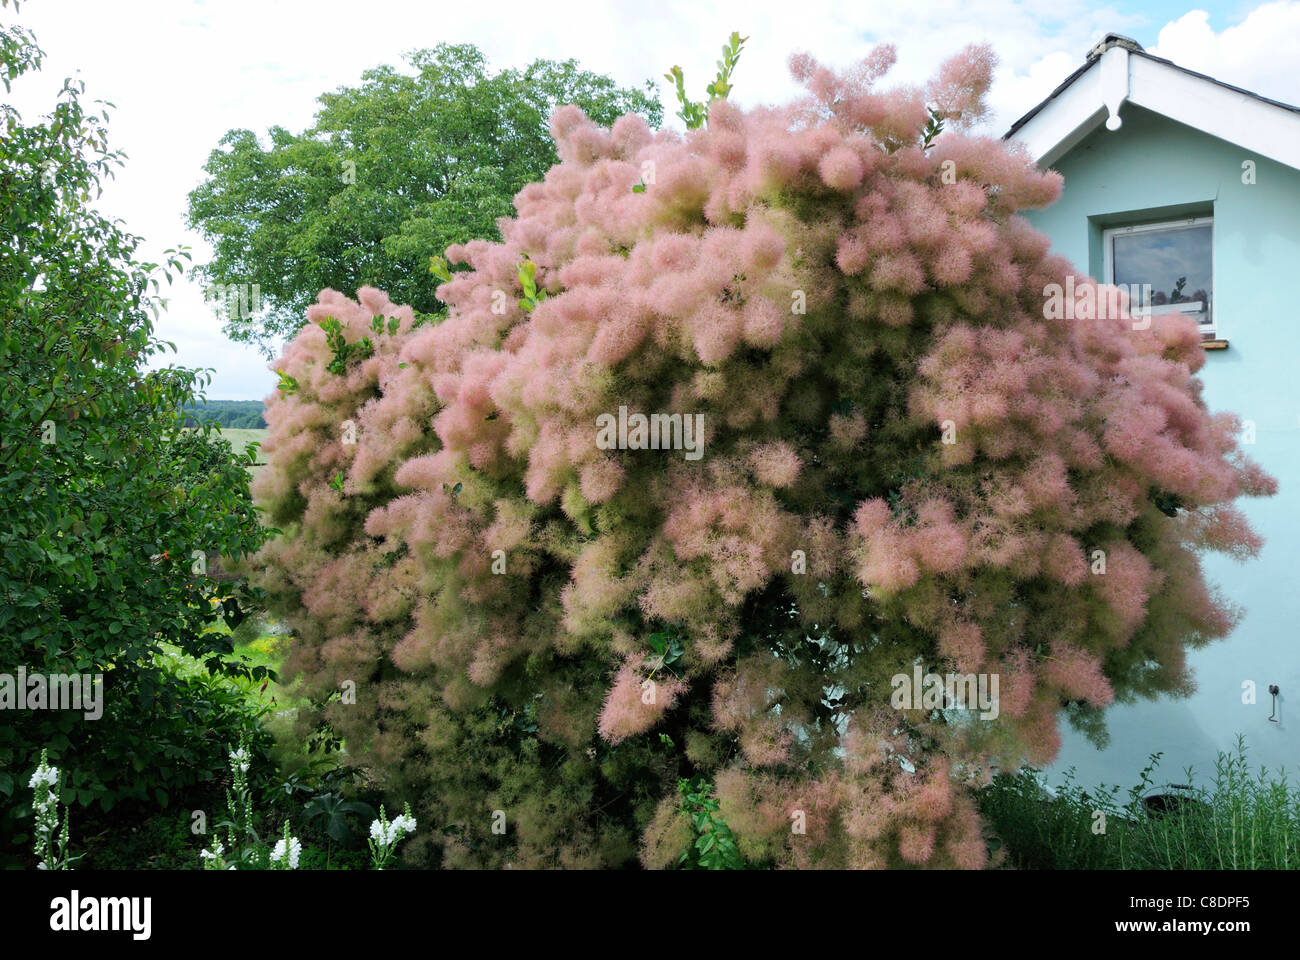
(112, 510)
(1042, 831)
(1241, 821)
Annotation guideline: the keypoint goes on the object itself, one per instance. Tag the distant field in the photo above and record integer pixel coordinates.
(240, 438)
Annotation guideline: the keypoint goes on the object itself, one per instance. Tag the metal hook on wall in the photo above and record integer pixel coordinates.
(1272, 688)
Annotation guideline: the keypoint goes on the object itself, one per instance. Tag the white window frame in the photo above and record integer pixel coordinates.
(1209, 326)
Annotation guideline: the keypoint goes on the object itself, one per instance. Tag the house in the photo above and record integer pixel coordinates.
(1192, 186)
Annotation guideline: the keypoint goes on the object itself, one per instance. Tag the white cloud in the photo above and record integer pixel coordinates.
(182, 73)
(1260, 53)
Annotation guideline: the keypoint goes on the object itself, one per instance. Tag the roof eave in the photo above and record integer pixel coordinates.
(1121, 74)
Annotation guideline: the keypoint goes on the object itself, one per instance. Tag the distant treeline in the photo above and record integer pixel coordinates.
(245, 414)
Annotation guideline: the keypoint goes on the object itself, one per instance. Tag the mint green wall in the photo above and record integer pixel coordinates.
(1153, 168)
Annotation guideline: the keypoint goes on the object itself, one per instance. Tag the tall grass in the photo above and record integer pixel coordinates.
(1240, 821)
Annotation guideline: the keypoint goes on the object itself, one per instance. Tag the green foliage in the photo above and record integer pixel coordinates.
(695, 114)
(1242, 821)
(715, 845)
(932, 129)
(528, 281)
(439, 268)
(668, 649)
(242, 441)
(391, 169)
(190, 746)
(243, 847)
(378, 325)
(1042, 831)
(238, 844)
(112, 508)
(327, 857)
(335, 813)
(344, 352)
(241, 414)
(155, 842)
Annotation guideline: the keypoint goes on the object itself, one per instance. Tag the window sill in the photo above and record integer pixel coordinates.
(1214, 344)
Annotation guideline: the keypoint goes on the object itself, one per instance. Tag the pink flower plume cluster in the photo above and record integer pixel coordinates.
(904, 462)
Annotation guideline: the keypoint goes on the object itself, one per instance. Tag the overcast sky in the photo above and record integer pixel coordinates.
(183, 72)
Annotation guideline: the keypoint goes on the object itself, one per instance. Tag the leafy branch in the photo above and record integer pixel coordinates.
(695, 114)
(528, 280)
(343, 351)
(668, 650)
(932, 129)
(715, 845)
(438, 267)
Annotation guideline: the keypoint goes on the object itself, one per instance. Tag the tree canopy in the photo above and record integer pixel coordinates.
(242, 414)
(392, 171)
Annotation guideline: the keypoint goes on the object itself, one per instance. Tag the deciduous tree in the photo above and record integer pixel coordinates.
(393, 169)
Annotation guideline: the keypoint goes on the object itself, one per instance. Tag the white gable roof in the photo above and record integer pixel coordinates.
(1118, 70)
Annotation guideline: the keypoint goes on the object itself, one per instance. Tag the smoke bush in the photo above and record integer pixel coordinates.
(906, 462)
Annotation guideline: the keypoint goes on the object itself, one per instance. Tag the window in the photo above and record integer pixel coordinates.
(1166, 266)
